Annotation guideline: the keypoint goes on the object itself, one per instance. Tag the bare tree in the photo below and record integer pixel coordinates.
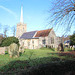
(5, 32)
(63, 14)
(1, 37)
(5, 29)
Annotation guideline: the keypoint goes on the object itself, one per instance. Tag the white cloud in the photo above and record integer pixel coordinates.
(9, 11)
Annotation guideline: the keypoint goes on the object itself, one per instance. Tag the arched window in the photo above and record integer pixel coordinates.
(44, 41)
(52, 40)
(32, 42)
(28, 43)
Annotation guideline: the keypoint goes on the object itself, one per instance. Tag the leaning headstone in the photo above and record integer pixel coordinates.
(56, 49)
(21, 49)
(60, 47)
(72, 48)
(13, 50)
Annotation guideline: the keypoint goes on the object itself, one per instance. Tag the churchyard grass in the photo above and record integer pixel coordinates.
(30, 58)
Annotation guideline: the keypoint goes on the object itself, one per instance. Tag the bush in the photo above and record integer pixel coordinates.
(72, 40)
(9, 40)
(52, 68)
(1, 37)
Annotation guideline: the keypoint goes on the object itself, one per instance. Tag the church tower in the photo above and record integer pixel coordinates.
(21, 27)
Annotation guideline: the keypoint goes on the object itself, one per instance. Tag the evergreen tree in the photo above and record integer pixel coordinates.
(72, 39)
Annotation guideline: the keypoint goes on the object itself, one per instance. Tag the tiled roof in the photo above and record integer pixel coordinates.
(43, 33)
(28, 35)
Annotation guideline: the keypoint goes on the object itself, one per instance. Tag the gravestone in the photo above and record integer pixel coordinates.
(60, 47)
(13, 50)
(21, 49)
(72, 48)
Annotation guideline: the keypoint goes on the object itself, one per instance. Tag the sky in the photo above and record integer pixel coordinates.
(35, 14)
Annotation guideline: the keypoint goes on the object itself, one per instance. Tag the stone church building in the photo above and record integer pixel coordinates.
(35, 39)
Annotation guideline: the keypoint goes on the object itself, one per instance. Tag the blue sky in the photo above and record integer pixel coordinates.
(35, 14)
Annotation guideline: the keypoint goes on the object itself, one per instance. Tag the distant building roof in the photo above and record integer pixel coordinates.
(67, 41)
(28, 35)
(43, 33)
(65, 38)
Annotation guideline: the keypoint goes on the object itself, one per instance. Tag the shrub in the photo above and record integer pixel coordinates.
(1, 37)
(9, 40)
(72, 39)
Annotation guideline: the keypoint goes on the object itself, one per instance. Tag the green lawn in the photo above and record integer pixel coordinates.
(39, 53)
(29, 58)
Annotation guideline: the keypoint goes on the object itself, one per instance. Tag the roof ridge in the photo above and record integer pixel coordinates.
(46, 29)
(29, 31)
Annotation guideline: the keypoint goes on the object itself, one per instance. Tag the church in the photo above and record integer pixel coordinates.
(35, 39)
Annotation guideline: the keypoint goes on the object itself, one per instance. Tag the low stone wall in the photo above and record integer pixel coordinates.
(2, 50)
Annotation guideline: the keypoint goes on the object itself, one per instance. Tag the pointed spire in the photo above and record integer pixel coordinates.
(21, 18)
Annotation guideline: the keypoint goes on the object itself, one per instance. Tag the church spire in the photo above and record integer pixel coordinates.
(21, 18)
